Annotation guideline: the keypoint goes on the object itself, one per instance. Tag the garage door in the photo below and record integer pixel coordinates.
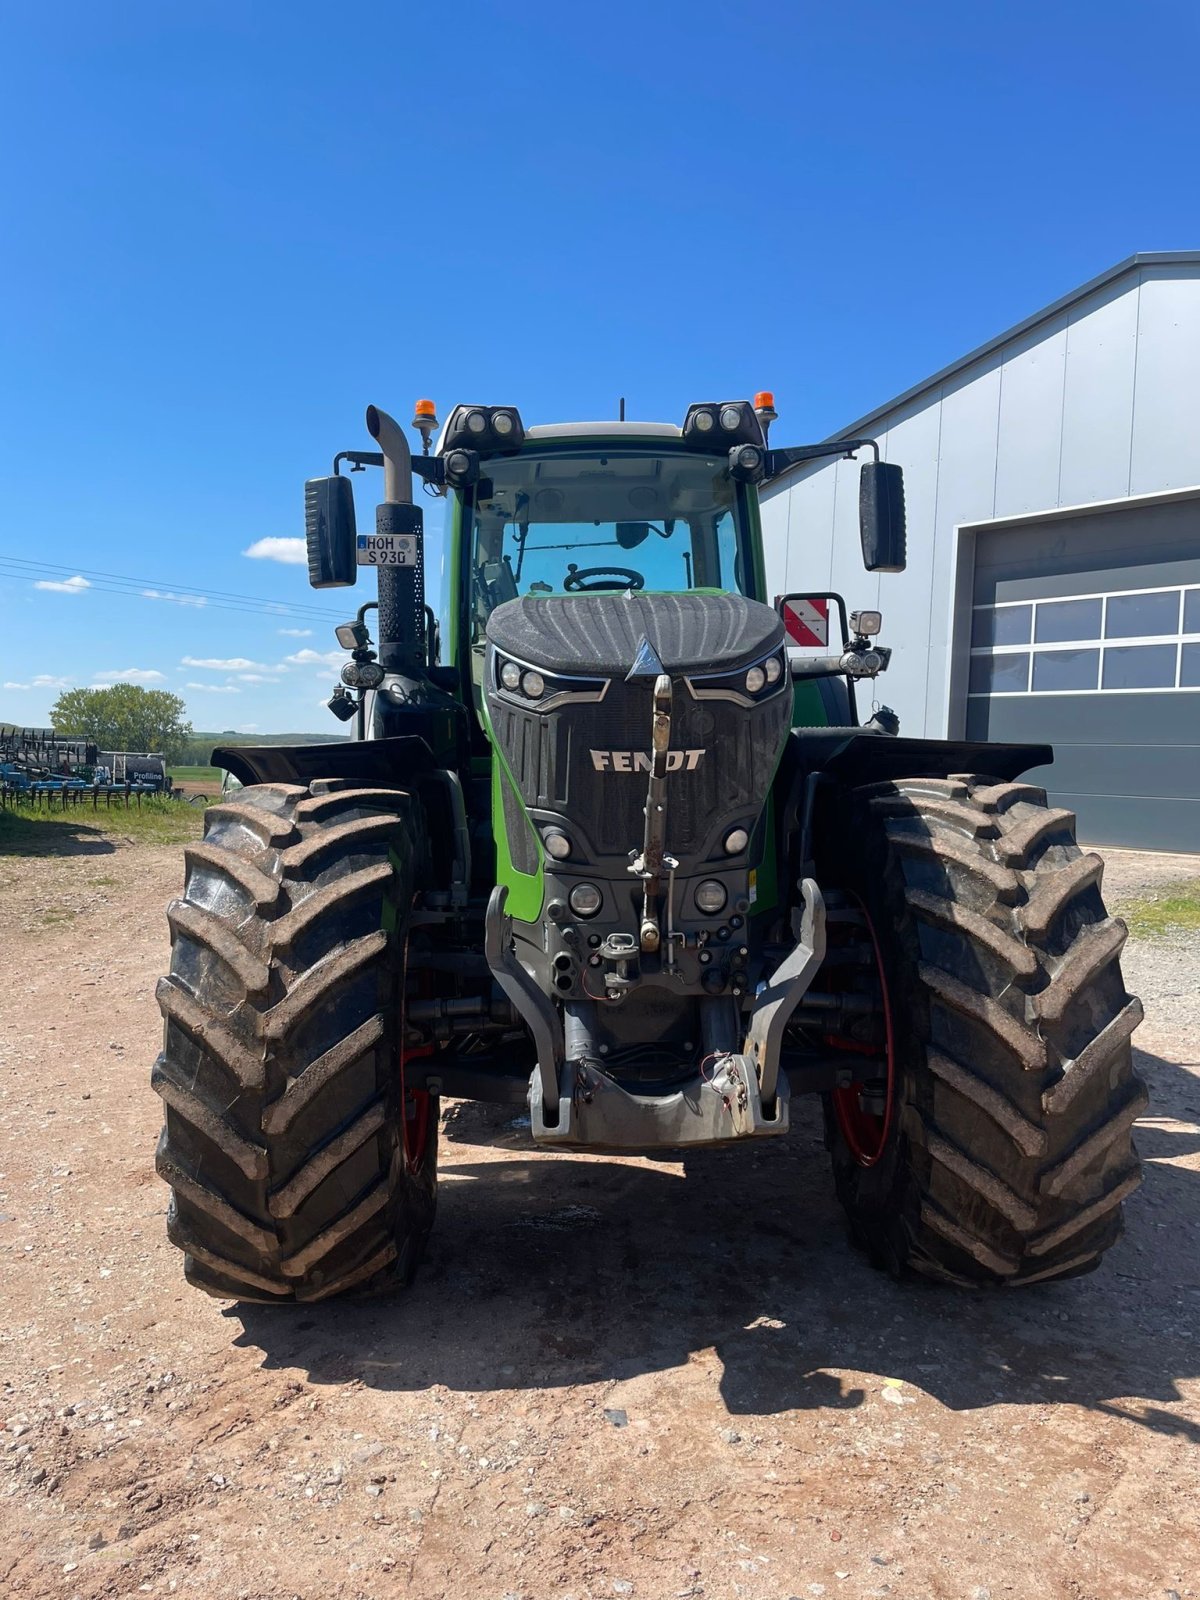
(1085, 633)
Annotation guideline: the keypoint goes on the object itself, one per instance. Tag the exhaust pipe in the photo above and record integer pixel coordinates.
(401, 589)
(397, 457)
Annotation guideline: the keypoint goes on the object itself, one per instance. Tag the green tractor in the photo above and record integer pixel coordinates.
(611, 847)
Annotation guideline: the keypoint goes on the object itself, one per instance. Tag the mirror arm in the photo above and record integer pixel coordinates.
(794, 455)
(358, 460)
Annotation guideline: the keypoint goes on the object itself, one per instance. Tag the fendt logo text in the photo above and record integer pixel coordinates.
(639, 760)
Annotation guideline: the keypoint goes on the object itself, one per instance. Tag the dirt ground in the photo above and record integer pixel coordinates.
(612, 1377)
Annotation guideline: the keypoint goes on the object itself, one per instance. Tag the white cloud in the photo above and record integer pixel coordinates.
(296, 633)
(133, 675)
(292, 552)
(258, 677)
(215, 688)
(317, 658)
(75, 585)
(178, 599)
(42, 681)
(224, 664)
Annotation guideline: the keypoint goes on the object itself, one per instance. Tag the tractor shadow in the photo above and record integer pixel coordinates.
(24, 833)
(552, 1270)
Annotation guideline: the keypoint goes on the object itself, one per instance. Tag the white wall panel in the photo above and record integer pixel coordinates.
(775, 513)
(1166, 400)
(966, 493)
(1029, 433)
(1095, 404)
(1098, 397)
(904, 597)
(810, 536)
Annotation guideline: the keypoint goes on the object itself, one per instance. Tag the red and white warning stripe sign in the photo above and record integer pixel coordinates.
(806, 620)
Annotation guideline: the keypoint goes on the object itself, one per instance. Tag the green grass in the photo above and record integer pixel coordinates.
(187, 775)
(80, 831)
(1173, 909)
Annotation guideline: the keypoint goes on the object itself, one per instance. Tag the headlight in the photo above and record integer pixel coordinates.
(731, 418)
(476, 422)
(534, 685)
(735, 842)
(585, 899)
(773, 668)
(710, 897)
(462, 468)
(557, 844)
(756, 679)
(703, 422)
(510, 675)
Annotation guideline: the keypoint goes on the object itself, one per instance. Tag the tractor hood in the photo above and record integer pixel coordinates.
(604, 632)
(570, 684)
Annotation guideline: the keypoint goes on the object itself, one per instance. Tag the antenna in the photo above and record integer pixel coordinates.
(622, 411)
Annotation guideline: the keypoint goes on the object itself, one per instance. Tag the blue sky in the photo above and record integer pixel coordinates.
(228, 228)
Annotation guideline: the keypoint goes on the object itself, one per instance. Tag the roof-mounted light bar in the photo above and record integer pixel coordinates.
(488, 430)
(718, 424)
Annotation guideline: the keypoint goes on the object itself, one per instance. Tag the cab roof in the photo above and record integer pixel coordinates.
(604, 430)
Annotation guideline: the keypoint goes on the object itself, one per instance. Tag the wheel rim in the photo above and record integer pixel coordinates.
(865, 1133)
(418, 1112)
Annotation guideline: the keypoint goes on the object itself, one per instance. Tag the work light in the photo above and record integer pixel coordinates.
(711, 897)
(585, 899)
(462, 468)
(557, 844)
(734, 420)
(488, 429)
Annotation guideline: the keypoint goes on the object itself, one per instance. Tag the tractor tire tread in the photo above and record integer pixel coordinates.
(283, 1138)
(1012, 1151)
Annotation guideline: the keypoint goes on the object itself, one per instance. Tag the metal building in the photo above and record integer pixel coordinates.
(1053, 583)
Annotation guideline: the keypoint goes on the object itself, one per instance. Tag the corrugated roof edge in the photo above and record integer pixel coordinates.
(1146, 258)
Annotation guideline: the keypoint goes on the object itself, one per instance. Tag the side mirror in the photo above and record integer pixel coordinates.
(329, 531)
(881, 516)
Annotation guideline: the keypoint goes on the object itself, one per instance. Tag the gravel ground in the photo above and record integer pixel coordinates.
(613, 1377)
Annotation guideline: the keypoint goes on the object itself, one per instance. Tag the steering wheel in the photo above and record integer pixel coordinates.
(602, 578)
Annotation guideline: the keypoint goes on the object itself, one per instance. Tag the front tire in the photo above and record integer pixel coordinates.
(298, 1165)
(1007, 1151)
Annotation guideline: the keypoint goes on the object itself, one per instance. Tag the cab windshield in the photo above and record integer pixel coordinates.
(600, 521)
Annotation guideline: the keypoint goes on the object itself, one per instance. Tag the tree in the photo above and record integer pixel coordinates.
(125, 717)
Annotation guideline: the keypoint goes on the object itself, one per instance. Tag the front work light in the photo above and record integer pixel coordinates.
(488, 429)
(557, 844)
(585, 899)
(733, 420)
(866, 624)
(352, 635)
(711, 897)
(462, 468)
(747, 462)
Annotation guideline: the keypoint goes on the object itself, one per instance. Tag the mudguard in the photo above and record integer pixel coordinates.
(358, 761)
(853, 756)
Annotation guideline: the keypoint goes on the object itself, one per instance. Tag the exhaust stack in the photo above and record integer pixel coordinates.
(402, 645)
